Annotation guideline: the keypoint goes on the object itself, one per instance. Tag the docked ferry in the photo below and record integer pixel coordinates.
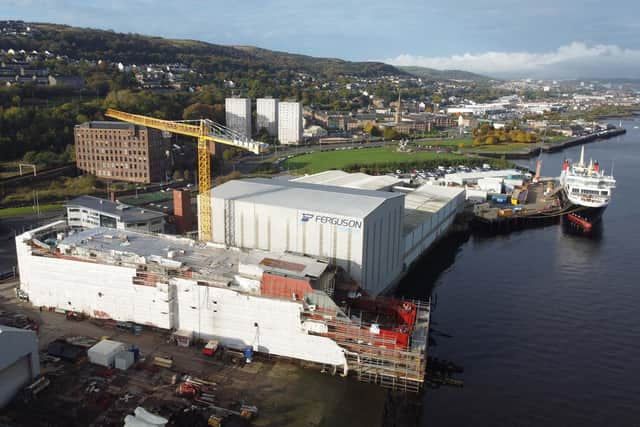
(588, 190)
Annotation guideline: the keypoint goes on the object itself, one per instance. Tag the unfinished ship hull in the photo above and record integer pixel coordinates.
(277, 304)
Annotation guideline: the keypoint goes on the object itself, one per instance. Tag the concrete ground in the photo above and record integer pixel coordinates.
(285, 392)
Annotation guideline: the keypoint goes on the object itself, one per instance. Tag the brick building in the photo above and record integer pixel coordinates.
(121, 151)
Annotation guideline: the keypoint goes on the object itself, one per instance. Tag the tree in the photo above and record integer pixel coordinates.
(262, 135)
(199, 111)
(390, 133)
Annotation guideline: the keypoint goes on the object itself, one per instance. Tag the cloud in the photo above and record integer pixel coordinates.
(576, 59)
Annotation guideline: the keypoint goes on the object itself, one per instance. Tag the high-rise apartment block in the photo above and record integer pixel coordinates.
(290, 125)
(267, 115)
(121, 151)
(238, 115)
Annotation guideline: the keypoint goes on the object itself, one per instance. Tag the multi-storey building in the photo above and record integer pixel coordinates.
(267, 115)
(238, 115)
(290, 125)
(92, 212)
(121, 151)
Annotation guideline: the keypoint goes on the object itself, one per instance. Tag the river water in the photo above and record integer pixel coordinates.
(545, 323)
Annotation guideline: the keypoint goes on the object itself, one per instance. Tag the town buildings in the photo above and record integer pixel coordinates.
(290, 125)
(238, 115)
(121, 151)
(267, 115)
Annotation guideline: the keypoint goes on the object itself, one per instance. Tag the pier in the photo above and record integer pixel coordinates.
(542, 203)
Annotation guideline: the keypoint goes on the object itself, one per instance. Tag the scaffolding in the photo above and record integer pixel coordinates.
(375, 358)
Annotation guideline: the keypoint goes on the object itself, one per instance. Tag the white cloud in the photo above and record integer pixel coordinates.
(576, 59)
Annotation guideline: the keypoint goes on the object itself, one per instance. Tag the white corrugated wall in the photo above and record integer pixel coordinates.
(231, 317)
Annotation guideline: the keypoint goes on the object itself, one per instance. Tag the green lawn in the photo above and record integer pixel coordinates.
(321, 161)
(28, 210)
(454, 143)
(502, 148)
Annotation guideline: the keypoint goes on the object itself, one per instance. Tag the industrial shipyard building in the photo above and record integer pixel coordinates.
(353, 221)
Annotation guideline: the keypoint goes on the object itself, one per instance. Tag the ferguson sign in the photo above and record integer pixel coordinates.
(331, 220)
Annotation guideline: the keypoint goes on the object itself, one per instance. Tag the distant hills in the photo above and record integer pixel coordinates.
(433, 74)
(128, 48)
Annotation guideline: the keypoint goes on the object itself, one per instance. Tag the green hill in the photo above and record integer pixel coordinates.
(433, 74)
(92, 44)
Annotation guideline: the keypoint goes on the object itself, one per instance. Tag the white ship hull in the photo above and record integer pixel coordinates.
(109, 292)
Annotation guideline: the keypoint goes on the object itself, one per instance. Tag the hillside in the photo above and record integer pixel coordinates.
(327, 66)
(433, 74)
(92, 44)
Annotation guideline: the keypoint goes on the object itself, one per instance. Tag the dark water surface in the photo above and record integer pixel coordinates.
(545, 323)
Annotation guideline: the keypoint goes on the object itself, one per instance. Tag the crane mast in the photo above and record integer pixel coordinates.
(205, 131)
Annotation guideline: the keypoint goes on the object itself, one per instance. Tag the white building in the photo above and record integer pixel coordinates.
(91, 212)
(267, 115)
(346, 219)
(290, 124)
(315, 131)
(238, 115)
(19, 361)
(428, 211)
(358, 230)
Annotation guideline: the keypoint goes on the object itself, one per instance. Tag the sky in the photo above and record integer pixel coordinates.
(502, 38)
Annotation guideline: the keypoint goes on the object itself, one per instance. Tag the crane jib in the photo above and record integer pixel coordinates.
(207, 130)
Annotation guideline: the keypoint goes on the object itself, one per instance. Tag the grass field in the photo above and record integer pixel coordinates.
(501, 148)
(321, 161)
(28, 210)
(453, 143)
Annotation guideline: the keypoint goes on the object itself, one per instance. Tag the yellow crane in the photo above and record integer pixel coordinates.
(205, 131)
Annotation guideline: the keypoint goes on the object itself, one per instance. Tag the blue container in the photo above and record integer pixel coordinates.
(499, 198)
(248, 353)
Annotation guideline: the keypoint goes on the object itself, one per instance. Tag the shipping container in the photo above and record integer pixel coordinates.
(104, 352)
(124, 360)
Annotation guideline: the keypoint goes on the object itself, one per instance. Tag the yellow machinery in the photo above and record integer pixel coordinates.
(205, 131)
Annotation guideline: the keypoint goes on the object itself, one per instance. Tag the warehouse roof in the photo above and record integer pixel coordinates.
(122, 212)
(424, 202)
(461, 177)
(344, 201)
(351, 180)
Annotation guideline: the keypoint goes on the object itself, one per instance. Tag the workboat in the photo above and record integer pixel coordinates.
(588, 190)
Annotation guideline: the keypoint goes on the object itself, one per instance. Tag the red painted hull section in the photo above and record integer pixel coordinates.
(582, 223)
